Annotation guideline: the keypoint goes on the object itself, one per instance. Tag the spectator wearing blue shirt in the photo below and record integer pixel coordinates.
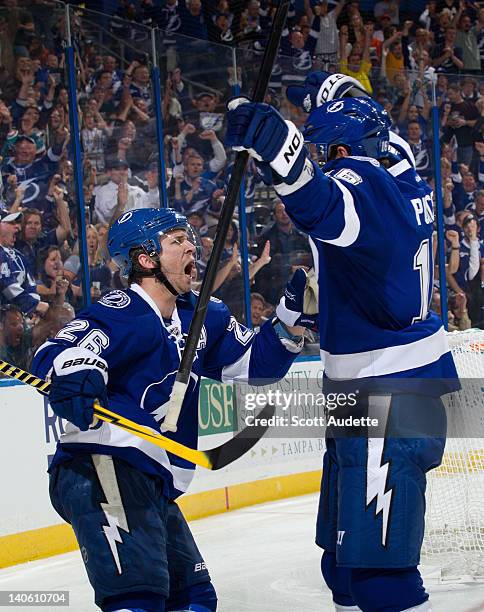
(479, 211)
(465, 192)
(471, 252)
(192, 191)
(32, 174)
(140, 86)
(16, 285)
(420, 149)
(192, 19)
(33, 239)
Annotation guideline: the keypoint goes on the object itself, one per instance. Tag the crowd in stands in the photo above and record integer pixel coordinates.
(393, 49)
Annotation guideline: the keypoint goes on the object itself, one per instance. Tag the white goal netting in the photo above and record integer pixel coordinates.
(454, 534)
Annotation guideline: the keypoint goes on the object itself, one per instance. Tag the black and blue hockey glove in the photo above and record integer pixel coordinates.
(78, 378)
(290, 309)
(267, 136)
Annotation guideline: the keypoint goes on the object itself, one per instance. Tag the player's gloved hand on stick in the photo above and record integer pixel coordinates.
(267, 136)
(290, 309)
(78, 378)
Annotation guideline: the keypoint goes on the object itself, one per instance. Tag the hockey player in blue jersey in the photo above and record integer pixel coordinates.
(370, 225)
(117, 490)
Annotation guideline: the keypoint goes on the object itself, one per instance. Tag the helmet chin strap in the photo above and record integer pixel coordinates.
(159, 275)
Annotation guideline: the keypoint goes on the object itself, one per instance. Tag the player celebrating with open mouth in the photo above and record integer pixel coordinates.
(117, 490)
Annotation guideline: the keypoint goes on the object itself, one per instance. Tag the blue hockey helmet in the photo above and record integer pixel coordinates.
(144, 227)
(360, 124)
(320, 87)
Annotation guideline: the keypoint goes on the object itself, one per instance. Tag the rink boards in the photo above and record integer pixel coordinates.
(30, 529)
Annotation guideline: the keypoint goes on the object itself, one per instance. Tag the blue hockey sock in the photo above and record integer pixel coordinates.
(387, 590)
(337, 579)
(200, 597)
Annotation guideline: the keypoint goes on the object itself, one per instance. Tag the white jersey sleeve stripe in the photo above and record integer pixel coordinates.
(239, 370)
(381, 362)
(399, 168)
(351, 227)
(398, 140)
(306, 175)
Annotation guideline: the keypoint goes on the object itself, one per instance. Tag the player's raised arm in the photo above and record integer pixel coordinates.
(273, 141)
(242, 355)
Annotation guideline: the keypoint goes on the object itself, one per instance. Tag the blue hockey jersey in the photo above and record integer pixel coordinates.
(143, 353)
(371, 232)
(17, 286)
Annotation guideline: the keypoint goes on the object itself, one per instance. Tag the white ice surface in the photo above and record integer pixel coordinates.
(262, 559)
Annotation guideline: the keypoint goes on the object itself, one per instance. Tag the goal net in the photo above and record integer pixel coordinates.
(454, 534)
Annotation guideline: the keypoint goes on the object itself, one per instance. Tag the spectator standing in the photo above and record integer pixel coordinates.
(93, 140)
(392, 50)
(193, 191)
(169, 21)
(327, 42)
(420, 149)
(288, 247)
(230, 275)
(192, 19)
(465, 192)
(16, 285)
(479, 211)
(357, 64)
(151, 198)
(471, 251)
(429, 17)
(32, 239)
(478, 30)
(140, 86)
(116, 196)
(24, 35)
(470, 275)
(27, 127)
(27, 171)
(7, 58)
(460, 122)
(448, 57)
(466, 39)
(469, 89)
(99, 272)
(387, 7)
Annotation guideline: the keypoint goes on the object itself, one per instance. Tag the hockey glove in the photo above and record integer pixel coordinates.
(267, 136)
(290, 309)
(78, 378)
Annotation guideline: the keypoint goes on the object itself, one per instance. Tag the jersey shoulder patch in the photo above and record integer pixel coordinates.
(115, 299)
(348, 176)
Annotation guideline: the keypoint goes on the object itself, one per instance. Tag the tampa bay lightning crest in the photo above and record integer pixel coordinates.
(115, 299)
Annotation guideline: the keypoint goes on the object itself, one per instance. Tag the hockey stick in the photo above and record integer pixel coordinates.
(189, 352)
(212, 459)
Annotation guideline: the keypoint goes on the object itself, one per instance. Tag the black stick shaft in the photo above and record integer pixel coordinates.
(230, 201)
